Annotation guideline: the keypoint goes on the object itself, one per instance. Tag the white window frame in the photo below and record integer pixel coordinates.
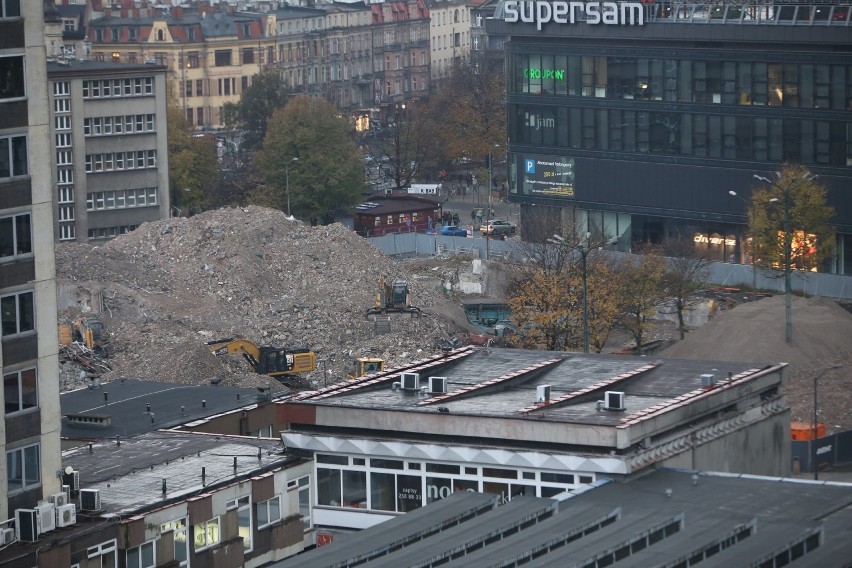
(20, 401)
(4, 9)
(17, 296)
(67, 232)
(24, 64)
(205, 528)
(106, 548)
(66, 213)
(62, 122)
(265, 506)
(24, 485)
(178, 527)
(16, 246)
(138, 561)
(11, 155)
(65, 194)
(243, 504)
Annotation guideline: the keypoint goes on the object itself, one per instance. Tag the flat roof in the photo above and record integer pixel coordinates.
(119, 408)
(130, 474)
(504, 383)
(657, 518)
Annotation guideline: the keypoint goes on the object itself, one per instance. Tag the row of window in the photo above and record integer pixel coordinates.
(16, 235)
(13, 156)
(110, 232)
(127, 124)
(119, 161)
(792, 85)
(730, 137)
(22, 468)
(118, 87)
(12, 84)
(121, 198)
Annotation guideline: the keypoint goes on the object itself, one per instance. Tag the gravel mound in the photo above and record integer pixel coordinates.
(170, 286)
(755, 331)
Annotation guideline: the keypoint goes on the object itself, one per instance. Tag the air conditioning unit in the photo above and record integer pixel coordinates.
(542, 393)
(614, 400)
(90, 500)
(437, 385)
(72, 480)
(410, 381)
(27, 525)
(58, 499)
(7, 536)
(47, 516)
(67, 490)
(66, 515)
(708, 380)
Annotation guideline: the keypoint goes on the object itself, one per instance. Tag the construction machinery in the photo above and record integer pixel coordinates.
(393, 298)
(362, 366)
(273, 361)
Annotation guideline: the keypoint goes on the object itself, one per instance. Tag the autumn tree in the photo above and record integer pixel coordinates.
(794, 194)
(470, 104)
(310, 160)
(193, 164)
(642, 289)
(266, 94)
(686, 271)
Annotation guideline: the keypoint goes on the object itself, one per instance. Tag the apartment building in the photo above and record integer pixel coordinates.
(450, 33)
(109, 138)
(28, 343)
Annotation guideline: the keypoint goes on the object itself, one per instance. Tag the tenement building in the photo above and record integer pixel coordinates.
(28, 343)
(637, 119)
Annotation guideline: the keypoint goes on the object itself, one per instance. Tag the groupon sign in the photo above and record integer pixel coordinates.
(539, 12)
(546, 175)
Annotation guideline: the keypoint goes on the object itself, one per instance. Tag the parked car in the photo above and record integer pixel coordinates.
(453, 231)
(498, 227)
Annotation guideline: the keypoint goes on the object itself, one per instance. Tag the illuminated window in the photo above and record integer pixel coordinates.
(206, 534)
(243, 507)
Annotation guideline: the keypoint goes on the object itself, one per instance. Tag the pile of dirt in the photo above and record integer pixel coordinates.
(755, 331)
(170, 286)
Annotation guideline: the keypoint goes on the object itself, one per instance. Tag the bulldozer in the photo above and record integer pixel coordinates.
(273, 361)
(393, 298)
(362, 366)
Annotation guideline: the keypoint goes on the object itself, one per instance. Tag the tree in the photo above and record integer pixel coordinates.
(470, 104)
(812, 243)
(266, 94)
(193, 165)
(310, 159)
(642, 289)
(685, 273)
(405, 148)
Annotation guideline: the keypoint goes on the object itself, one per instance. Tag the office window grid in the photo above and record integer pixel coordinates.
(121, 161)
(127, 124)
(121, 198)
(109, 232)
(128, 87)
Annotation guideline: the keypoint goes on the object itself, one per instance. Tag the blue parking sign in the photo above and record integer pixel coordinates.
(530, 166)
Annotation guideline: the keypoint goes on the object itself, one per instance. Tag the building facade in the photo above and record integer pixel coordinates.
(28, 344)
(450, 34)
(637, 122)
(109, 138)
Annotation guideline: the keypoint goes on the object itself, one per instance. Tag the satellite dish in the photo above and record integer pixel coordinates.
(69, 470)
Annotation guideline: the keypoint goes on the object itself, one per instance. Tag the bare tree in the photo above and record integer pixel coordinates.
(685, 273)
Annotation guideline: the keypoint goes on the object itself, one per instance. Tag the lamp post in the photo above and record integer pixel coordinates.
(814, 424)
(788, 246)
(287, 178)
(583, 249)
(751, 252)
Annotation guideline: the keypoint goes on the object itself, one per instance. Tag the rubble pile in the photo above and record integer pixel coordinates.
(170, 286)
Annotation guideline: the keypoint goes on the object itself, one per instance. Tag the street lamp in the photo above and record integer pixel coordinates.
(583, 249)
(814, 424)
(752, 246)
(287, 178)
(788, 246)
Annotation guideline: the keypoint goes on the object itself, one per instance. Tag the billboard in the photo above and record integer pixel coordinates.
(549, 175)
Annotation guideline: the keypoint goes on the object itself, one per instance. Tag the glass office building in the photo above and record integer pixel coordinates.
(638, 119)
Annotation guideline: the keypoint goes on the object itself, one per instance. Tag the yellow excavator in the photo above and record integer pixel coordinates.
(393, 298)
(273, 361)
(362, 366)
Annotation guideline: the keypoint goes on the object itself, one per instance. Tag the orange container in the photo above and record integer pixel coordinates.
(805, 430)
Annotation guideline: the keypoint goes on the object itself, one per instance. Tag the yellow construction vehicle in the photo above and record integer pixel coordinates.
(272, 361)
(362, 366)
(393, 298)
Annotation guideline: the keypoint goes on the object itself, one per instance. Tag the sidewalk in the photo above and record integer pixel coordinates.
(463, 204)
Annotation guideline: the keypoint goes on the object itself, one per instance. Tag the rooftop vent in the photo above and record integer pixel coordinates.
(542, 393)
(410, 381)
(437, 385)
(708, 380)
(614, 400)
(90, 420)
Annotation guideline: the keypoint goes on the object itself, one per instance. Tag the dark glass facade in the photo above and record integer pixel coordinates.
(648, 127)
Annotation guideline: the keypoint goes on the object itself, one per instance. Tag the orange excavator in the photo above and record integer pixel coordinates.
(273, 361)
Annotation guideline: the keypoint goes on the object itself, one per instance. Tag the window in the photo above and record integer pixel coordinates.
(66, 195)
(223, 57)
(105, 552)
(60, 89)
(22, 468)
(66, 213)
(149, 122)
(15, 235)
(206, 534)
(243, 506)
(13, 156)
(12, 77)
(66, 232)
(63, 123)
(10, 8)
(141, 556)
(193, 60)
(268, 512)
(63, 140)
(114, 34)
(248, 55)
(16, 313)
(181, 544)
(20, 391)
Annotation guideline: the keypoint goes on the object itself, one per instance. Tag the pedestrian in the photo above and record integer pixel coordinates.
(479, 216)
(473, 214)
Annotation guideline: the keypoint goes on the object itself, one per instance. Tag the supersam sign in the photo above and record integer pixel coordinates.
(562, 12)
